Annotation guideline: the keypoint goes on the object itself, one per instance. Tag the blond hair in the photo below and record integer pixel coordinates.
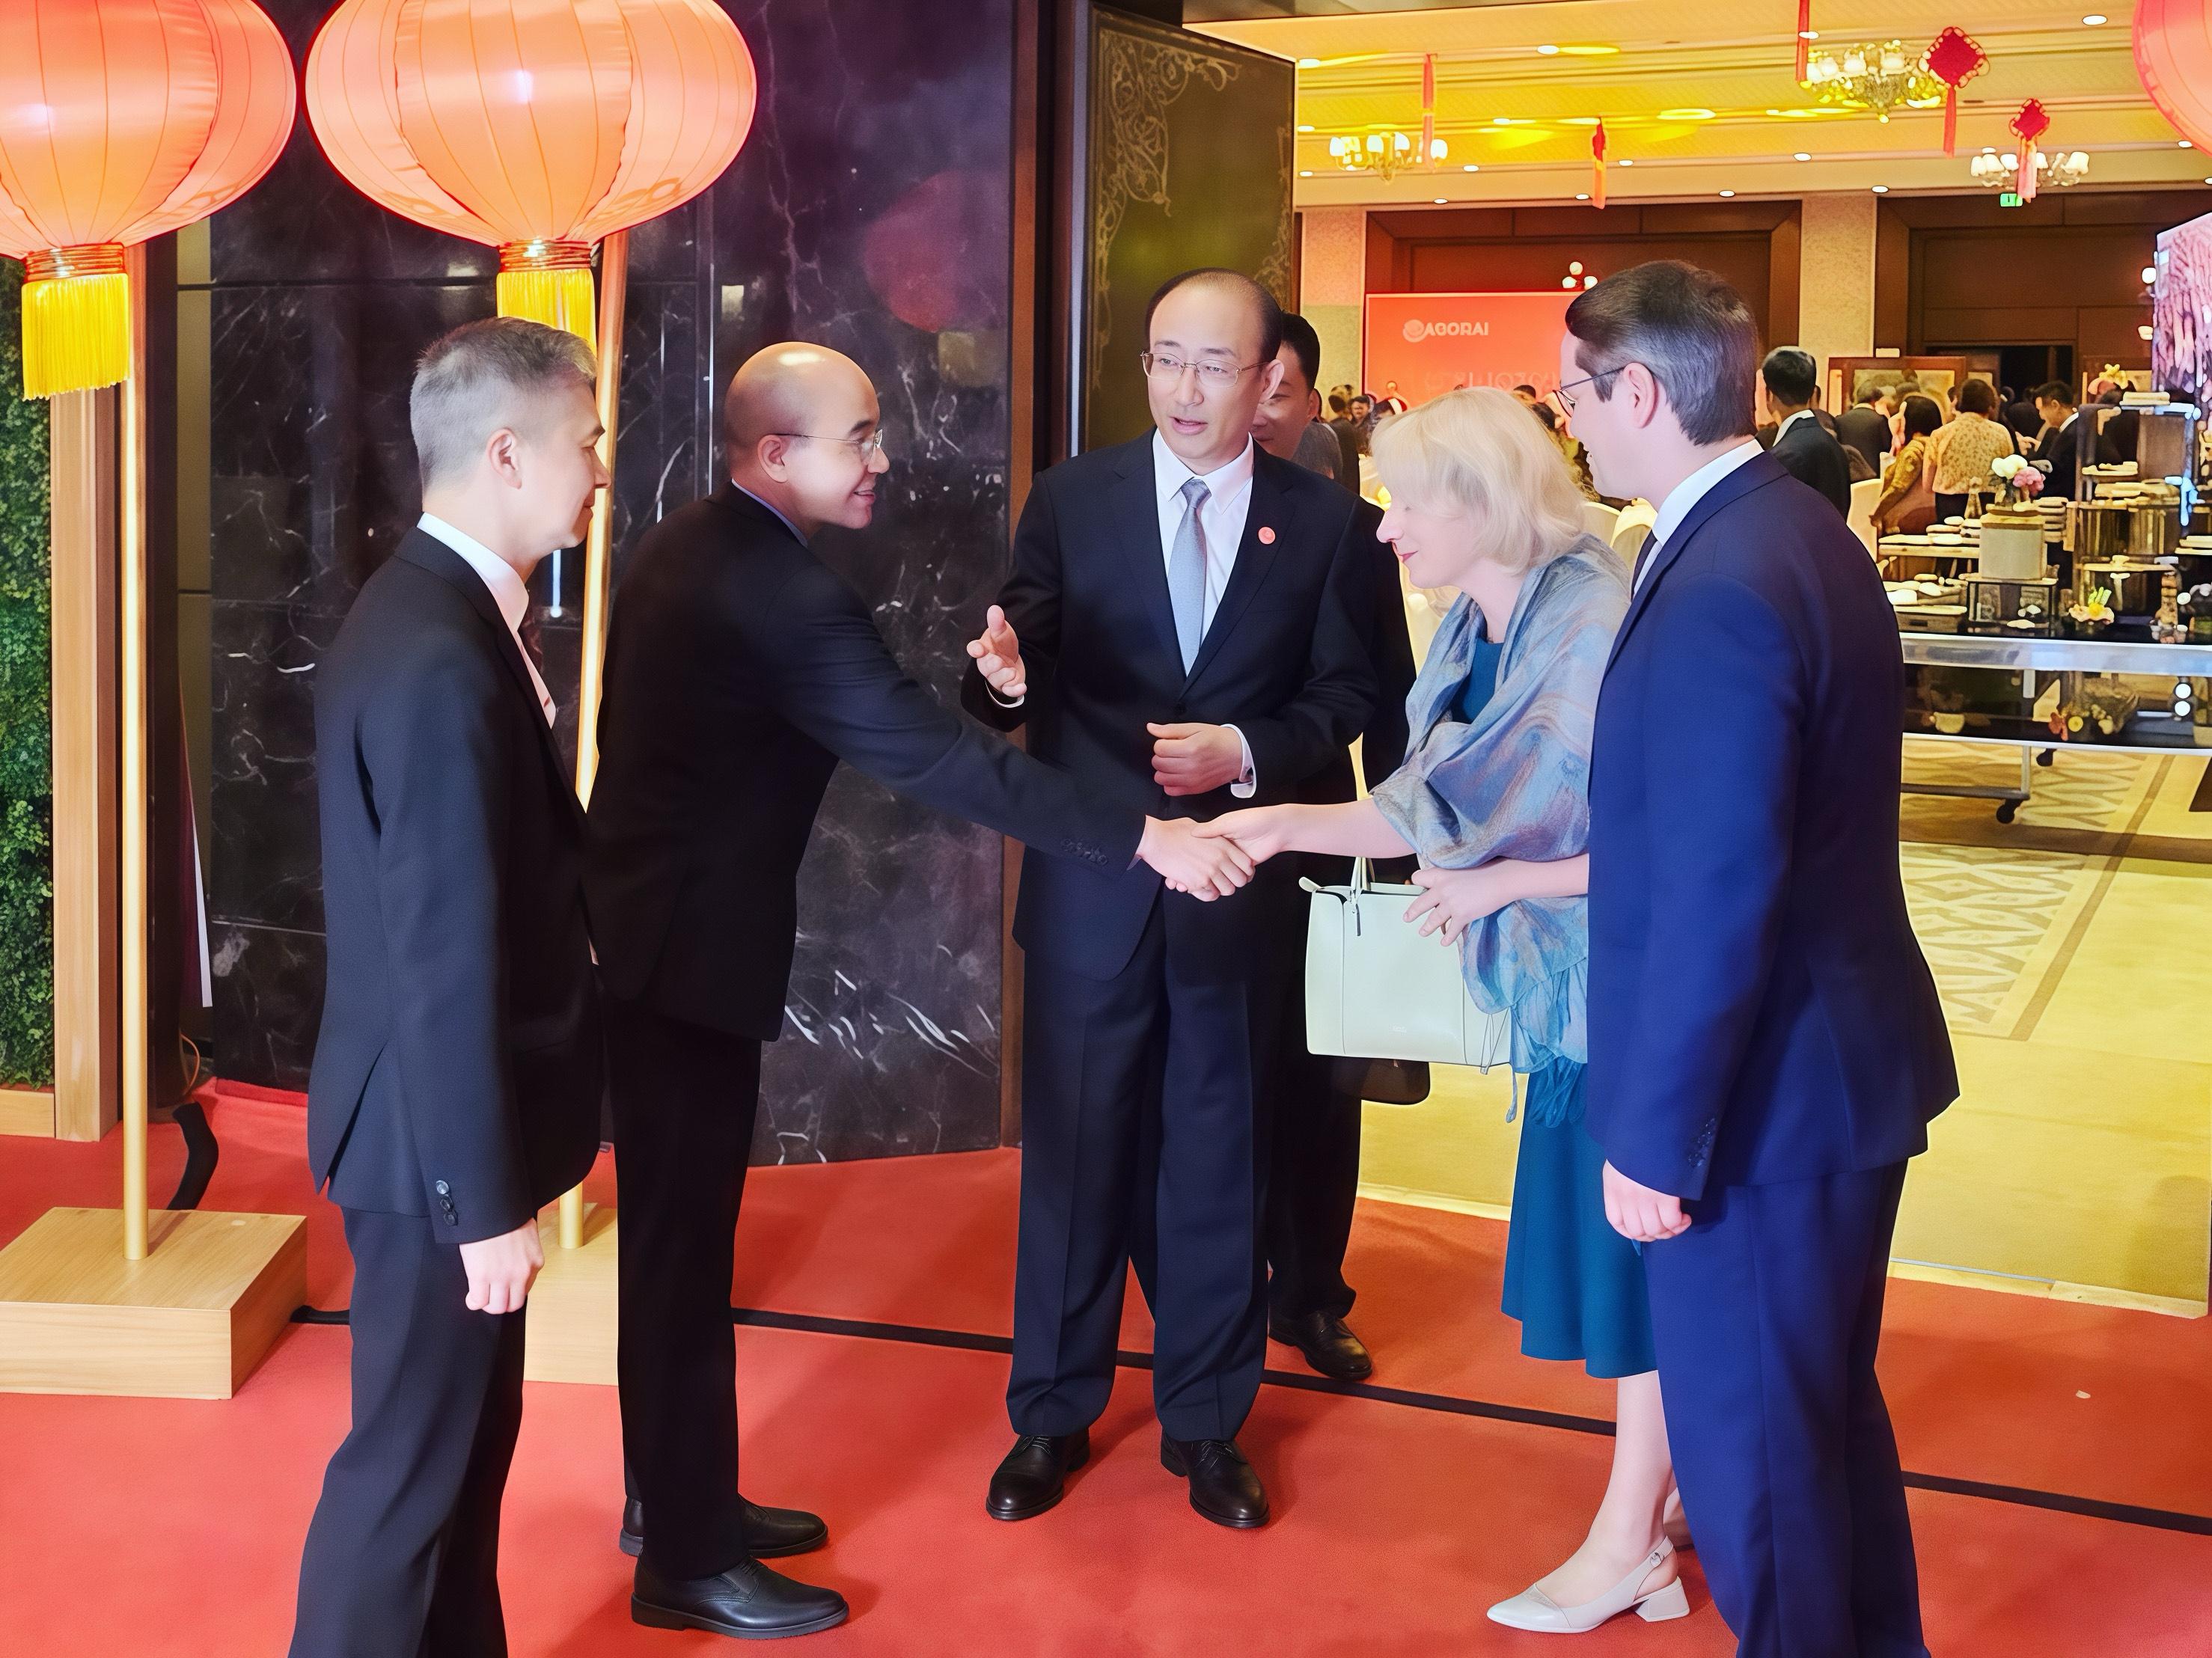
(1480, 450)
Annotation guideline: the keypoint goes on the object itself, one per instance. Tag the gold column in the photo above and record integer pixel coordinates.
(614, 284)
(136, 801)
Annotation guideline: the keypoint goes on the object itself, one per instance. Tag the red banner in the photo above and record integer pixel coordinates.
(1419, 346)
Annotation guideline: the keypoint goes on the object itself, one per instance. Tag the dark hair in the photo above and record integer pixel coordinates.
(1525, 386)
(1923, 416)
(1270, 314)
(2056, 391)
(1872, 394)
(1362, 396)
(1791, 375)
(1688, 327)
(1978, 397)
(1305, 345)
(1542, 411)
(1337, 405)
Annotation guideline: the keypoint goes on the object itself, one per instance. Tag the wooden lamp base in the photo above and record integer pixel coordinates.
(191, 1320)
(571, 1332)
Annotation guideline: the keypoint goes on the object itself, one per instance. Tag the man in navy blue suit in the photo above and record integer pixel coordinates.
(1767, 1047)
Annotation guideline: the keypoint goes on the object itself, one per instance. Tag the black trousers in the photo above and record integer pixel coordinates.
(1143, 1144)
(684, 1098)
(402, 1556)
(1313, 1182)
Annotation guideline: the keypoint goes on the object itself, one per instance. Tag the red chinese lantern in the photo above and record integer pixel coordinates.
(2031, 123)
(121, 120)
(2173, 56)
(532, 127)
(1955, 59)
(1598, 164)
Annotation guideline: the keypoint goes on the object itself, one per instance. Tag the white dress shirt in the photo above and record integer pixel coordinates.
(507, 590)
(1692, 490)
(1803, 414)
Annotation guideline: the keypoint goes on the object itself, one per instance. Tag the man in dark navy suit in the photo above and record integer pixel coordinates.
(1767, 1046)
(1186, 630)
(1802, 447)
(458, 1075)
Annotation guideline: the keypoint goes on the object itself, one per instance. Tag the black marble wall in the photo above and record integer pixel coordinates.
(868, 211)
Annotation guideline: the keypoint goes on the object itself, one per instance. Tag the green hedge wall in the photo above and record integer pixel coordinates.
(27, 814)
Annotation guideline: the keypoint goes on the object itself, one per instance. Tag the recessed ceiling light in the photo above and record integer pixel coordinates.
(2185, 144)
(1583, 195)
(1627, 161)
(1728, 192)
(1308, 63)
(1305, 126)
(1440, 201)
(1549, 51)
(2208, 181)
(1470, 168)
(1883, 190)
(1305, 173)
(1501, 120)
(1804, 155)
(1808, 35)
(2094, 20)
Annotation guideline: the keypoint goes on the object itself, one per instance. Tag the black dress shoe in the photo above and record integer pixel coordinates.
(1327, 1343)
(749, 1602)
(770, 1533)
(1034, 1474)
(1223, 1486)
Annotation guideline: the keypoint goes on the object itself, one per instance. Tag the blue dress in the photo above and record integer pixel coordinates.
(1574, 1285)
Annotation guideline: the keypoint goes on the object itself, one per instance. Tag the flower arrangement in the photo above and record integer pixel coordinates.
(2017, 479)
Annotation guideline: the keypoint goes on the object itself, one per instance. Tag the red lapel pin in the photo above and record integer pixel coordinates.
(1267, 536)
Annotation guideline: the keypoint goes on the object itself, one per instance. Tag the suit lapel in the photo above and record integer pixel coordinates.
(431, 553)
(1255, 556)
(1755, 473)
(1137, 512)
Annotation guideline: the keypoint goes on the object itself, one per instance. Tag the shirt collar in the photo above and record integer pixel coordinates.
(507, 589)
(1170, 474)
(1693, 489)
(767, 505)
(1803, 414)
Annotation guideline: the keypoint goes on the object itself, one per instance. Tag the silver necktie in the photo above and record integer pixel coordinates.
(1187, 573)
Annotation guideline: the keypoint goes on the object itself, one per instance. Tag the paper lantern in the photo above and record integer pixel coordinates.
(534, 126)
(2173, 56)
(121, 120)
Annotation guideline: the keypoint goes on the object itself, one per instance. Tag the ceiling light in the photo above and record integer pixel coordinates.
(1305, 126)
(1692, 113)
(1591, 51)
(1804, 155)
(1574, 267)
(1627, 161)
(1549, 51)
(1728, 192)
(1305, 173)
(1883, 190)
(1470, 168)
(2185, 144)
(2149, 274)
(1440, 201)
(1808, 35)
(2094, 20)
(1568, 282)
(1583, 195)
(1308, 63)
(1590, 282)
(1501, 120)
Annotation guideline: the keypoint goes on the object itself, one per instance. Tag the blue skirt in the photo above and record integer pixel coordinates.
(1574, 1285)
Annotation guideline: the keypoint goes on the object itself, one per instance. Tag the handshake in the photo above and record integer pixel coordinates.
(1203, 859)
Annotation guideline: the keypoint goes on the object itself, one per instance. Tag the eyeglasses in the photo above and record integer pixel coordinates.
(1218, 375)
(1568, 402)
(867, 447)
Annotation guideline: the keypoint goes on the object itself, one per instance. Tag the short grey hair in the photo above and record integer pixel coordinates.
(483, 376)
(1478, 449)
(1688, 327)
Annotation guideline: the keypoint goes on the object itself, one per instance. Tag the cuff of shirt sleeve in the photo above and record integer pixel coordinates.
(1247, 780)
(1004, 702)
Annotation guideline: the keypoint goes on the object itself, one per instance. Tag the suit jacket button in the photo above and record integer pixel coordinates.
(443, 1190)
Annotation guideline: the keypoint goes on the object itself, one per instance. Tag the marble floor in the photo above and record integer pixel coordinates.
(2073, 949)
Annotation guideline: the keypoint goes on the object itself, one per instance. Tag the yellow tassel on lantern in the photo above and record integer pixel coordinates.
(548, 282)
(76, 319)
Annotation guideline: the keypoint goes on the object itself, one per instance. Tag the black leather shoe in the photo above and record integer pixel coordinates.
(1034, 1474)
(1223, 1486)
(749, 1602)
(770, 1533)
(1327, 1343)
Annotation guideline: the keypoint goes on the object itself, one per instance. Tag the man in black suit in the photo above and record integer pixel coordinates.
(1313, 1178)
(458, 1076)
(1186, 628)
(740, 670)
(1865, 427)
(2060, 450)
(1803, 446)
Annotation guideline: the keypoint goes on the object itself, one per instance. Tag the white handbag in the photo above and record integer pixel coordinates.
(1377, 988)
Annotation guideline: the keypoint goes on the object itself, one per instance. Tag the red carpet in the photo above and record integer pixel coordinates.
(152, 1528)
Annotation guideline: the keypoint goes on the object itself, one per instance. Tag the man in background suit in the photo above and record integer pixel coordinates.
(457, 1076)
(2059, 450)
(1802, 447)
(1865, 427)
(1313, 1180)
(740, 670)
(1186, 627)
(1765, 1044)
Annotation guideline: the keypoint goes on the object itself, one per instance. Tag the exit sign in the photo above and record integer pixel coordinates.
(2010, 199)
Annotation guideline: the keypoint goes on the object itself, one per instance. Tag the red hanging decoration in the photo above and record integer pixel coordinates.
(1955, 59)
(2031, 123)
(1428, 109)
(1597, 165)
(1804, 37)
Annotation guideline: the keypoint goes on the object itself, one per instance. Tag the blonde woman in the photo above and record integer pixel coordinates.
(1494, 798)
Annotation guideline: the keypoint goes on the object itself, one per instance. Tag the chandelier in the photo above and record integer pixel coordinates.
(1385, 154)
(2002, 172)
(1875, 75)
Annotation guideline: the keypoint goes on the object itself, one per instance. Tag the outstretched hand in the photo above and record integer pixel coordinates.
(1262, 831)
(1207, 868)
(998, 653)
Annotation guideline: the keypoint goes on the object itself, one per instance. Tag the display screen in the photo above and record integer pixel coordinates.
(2181, 312)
